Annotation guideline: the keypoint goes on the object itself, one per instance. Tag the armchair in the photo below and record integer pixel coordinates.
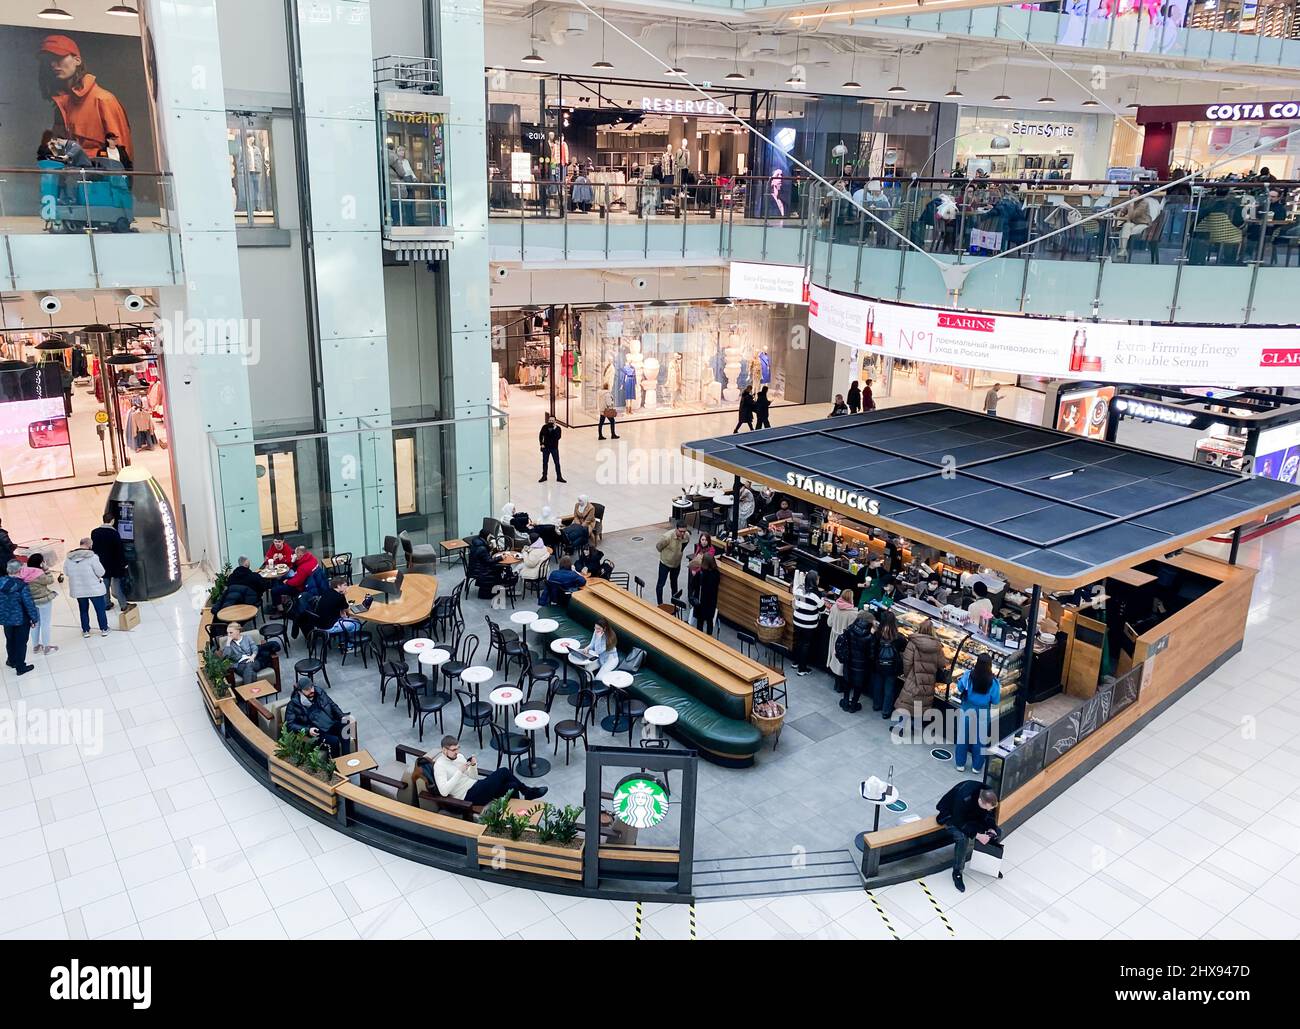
(401, 781)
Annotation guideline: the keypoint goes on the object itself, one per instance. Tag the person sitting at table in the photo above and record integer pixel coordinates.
(324, 611)
(584, 512)
(248, 657)
(485, 568)
(535, 557)
(279, 553)
(458, 777)
(576, 535)
(590, 561)
(311, 710)
(243, 575)
(602, 648)
(304, 563)
(561, 582)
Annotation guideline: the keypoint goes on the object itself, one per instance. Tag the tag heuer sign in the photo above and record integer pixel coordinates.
(640, 801)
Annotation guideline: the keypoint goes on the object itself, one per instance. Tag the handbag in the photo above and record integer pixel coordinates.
(632, 663)
(609, 413)
(986, 859)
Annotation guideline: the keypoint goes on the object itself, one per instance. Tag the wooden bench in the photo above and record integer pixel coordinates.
(727, 668)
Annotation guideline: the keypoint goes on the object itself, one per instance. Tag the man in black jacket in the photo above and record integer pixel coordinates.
(107, 545)
(969, 812)
(243, 575)
(312, 711)
(549, 440)
(6, 547)
(329, 607)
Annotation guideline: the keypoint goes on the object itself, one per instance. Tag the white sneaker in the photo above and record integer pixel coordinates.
(103, 632)
(85, 635)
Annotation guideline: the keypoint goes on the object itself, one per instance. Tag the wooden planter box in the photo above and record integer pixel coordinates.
(527, 855)
(210, 699)
(304, 785)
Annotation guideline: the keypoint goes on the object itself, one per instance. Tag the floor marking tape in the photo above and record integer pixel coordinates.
(884, 917)
(942, 916)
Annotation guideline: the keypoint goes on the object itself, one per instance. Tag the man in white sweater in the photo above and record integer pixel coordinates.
(457, 776)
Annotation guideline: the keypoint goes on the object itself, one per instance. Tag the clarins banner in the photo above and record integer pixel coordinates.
(1107, 351)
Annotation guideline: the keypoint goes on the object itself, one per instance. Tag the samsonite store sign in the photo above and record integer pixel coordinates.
(1101, 351)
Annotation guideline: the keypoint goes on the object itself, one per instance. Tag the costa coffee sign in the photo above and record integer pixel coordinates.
(1268, 110)
(1191, 355)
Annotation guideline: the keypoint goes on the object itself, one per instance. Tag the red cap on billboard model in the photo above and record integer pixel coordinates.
(60, 46)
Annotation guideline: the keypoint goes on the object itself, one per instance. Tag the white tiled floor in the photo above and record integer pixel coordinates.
(1190, 830)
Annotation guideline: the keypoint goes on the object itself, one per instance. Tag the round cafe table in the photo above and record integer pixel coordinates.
(561, 648)
(619, 721)
(503, 698)
(543, 627)
(416, 647)
(658, 718)
(583, 663)
(524, 619)
(238, 613)
(476, 676)
(431, 659)
(530, 722)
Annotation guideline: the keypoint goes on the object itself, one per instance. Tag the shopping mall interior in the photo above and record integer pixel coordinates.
(687, 470)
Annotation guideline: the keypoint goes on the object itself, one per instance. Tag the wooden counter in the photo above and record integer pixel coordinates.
(738, 594)
(1204, 632)
(412, 607)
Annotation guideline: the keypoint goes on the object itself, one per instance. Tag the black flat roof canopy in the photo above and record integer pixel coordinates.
(1038, 505)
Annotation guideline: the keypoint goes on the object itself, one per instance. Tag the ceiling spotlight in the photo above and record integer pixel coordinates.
(734, 76)
(603, 64)
(533, 56)
(54, 14)
(123, 11)
(852, 82)
(953, 93)
(897, 87)
(675, 70)
(1047, 97)
(1090, 103)
(1001, 98)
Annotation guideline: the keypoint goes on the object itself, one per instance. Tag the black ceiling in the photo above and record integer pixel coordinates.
(1050, 502)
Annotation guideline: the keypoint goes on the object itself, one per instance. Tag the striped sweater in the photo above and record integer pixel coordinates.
(807, 609)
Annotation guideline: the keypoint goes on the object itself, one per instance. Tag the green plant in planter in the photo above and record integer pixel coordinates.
(291, 747)
(517, 825)
(319, 762)
(219, 585)
(215, 668)
(561, 823)
(496, 814)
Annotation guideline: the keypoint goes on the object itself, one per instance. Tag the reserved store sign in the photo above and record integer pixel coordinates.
(1102, 351)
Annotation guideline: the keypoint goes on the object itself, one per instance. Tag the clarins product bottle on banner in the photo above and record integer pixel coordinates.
(1076, 352)
(871, 327)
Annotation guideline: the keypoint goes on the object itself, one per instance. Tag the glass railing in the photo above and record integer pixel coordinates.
(1229, 30)
(608, 216)
(1165, 252)
(345, 490)
(55, 199)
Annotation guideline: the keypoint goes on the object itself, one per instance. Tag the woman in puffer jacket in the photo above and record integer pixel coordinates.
(86, 584)
(922, 661)
(535, 556)
(41, 583)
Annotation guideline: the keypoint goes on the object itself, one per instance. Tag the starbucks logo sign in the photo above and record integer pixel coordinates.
(640, 801)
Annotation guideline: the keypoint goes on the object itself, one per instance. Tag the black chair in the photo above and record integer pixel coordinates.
(573, 729)
(621, 579)
(473, 713)
(748, 643)
(497, 640)
(387, 637)
(508, 744)
(443, 616)
(276, 631)
(422, 706)
(640, 585)
(388, 671)
(632, 709)
(352, 639)
(551, 537)
(373, 564)
(776, 655)
(318, 641)
(536, 670)
(340, 565)
(680, 609)
(462, 656)
(216, 634)
(535, 585)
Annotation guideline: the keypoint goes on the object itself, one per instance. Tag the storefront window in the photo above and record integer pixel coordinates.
(277, 492)
(649, 361)
(1209, 145)
(1033, 144)
(248, 137)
